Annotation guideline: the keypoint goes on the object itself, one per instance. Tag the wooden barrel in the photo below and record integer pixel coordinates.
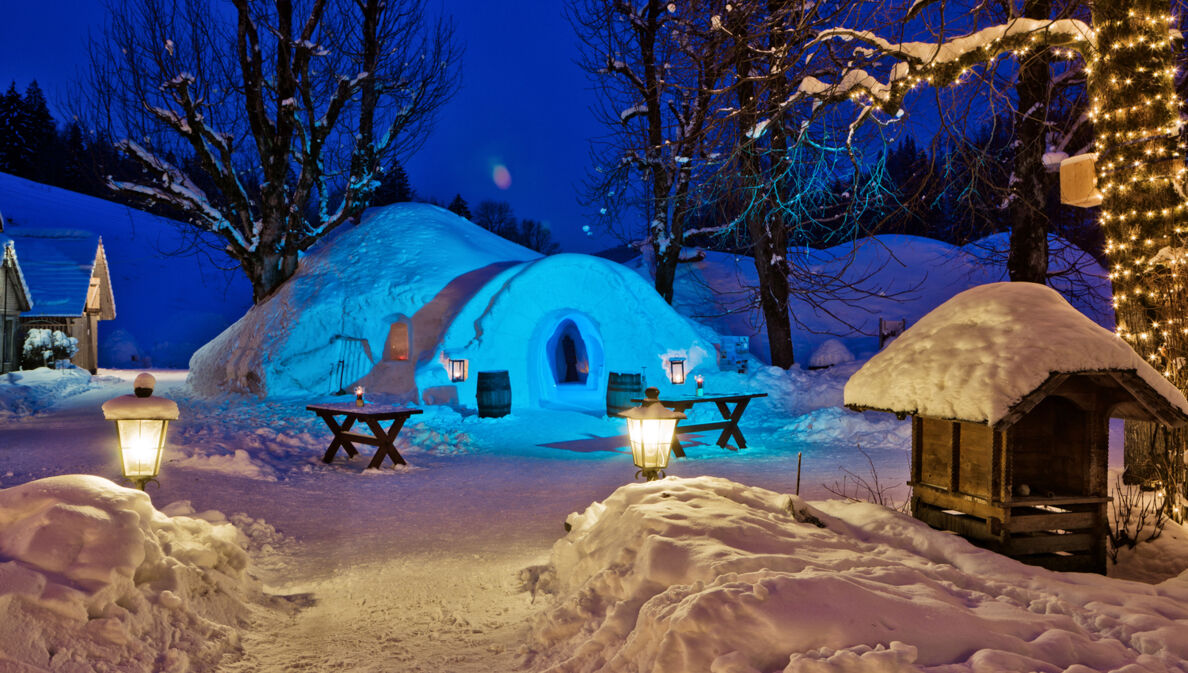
(493, 394)
(620, 388)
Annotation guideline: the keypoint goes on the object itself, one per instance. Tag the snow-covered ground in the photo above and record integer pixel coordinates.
(445, 565)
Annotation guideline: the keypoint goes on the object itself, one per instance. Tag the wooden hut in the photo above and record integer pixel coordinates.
(14, 299)
(1010, 390)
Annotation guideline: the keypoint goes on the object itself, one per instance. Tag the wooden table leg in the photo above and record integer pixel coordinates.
(338, 440)
(732, 417)
(387, 442)
(677, 449)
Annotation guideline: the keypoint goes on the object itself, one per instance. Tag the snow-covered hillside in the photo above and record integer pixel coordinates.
(173, 290)
(892, 276)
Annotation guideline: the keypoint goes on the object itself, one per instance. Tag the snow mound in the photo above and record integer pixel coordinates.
(342, 301)
(832, 352)
(982, 351)
(26, 392)
(709, 575)
(94, 578)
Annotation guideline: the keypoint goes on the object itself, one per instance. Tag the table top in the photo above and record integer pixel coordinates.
(364, 411)
(707, 397)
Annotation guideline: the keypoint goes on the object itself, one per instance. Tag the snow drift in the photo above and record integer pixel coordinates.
(709, 575)
(94, 578)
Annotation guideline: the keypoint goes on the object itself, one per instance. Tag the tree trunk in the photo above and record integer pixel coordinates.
(1028, 256)
(267, 271)
(1137, 164)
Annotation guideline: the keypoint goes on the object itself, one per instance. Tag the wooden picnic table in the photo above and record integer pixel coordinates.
(371, 415)
(730, 405)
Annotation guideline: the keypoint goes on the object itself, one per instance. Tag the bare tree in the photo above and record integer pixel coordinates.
(265, 122)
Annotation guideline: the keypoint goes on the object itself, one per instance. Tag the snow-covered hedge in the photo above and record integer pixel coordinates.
(93, 577)
(47, 348)
(709, 575)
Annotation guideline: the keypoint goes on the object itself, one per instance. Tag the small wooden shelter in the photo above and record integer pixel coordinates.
(1010, 449)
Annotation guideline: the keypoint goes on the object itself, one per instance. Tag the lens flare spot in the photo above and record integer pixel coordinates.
(501, 176)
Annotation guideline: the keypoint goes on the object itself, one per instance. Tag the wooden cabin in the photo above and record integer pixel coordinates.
(15, 299)
(67, 273)
(1010, 429)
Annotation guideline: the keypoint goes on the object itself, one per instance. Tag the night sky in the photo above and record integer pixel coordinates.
(524, 103)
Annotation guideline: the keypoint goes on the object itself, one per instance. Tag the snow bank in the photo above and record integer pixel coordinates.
(23, 393)
(982, 351)
(94, 578)
(829, 353)
(709, 575)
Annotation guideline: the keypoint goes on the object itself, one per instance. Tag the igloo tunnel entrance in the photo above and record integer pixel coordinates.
(567, 361)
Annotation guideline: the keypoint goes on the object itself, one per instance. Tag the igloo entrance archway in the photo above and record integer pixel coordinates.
(565, 362)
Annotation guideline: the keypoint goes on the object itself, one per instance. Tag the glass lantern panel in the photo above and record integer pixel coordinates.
(651, 442)
(140, 446)
(677, 368)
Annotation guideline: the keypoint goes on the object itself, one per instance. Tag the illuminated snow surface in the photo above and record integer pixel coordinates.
(445, 565)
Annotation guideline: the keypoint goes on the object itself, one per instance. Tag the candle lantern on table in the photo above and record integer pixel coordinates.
(141, 423)
(676, 370)
(651, 427)
(700, 384)
(358, 396)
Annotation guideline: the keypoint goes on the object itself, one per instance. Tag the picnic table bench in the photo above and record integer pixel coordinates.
(731, 407)
(371, 415)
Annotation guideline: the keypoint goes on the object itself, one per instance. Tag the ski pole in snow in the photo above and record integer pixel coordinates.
(799, 454)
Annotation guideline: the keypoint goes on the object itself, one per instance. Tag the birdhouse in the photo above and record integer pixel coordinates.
(1078, 181)
(1010, 390)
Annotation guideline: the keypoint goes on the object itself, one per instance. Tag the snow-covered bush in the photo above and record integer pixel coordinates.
(832, 352)
(95, 578)
(47, 348)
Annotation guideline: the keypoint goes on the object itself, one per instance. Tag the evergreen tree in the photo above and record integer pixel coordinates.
(394, 186)
(459, 207)
(11, 134)
(43, 159)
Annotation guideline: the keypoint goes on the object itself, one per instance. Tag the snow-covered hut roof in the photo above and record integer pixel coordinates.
(982, 356)
(58, 266)
(8, 260)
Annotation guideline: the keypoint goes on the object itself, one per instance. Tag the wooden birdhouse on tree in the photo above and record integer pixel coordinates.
(1010, 390)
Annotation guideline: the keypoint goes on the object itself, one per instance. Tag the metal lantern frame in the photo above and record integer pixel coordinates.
(142, 444)
(651, 428)
(459, 369)
(676, 371)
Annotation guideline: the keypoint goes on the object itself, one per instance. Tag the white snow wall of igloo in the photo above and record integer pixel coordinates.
(507, 325)
(345, 296)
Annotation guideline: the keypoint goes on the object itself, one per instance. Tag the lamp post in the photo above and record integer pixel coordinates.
(459, 369)
(141, 423)
(651, 427)
(676, 371)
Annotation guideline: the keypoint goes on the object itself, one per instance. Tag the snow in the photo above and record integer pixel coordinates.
(832, 352)
(95, 578)
(984, 350)
(462, 293)
(706, 574)
(127, 407)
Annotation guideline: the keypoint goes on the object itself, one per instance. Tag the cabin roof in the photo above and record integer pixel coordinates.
(990, 354)
(58, 265)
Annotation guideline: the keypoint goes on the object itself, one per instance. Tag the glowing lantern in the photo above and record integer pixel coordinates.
(141, 423)
(358, 396)
(459, 369)
(676, 370)
(651, 428)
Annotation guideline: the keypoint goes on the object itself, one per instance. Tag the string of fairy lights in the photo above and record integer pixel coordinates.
(1136, 116)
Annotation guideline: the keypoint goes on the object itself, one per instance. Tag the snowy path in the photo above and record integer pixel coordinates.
(410, 570)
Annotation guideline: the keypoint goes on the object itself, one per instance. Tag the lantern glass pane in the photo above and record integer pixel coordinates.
(458, 369)
(141, 442)
(651, 441)
(677, 368)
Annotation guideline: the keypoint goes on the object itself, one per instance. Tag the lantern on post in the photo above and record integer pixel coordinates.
(651, 428)
(676, 371)
(141, 423)
(459, 369)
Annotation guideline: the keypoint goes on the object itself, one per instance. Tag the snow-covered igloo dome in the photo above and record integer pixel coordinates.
(386, 303)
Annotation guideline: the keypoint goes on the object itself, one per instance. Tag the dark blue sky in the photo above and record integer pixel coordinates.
(523, 104)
